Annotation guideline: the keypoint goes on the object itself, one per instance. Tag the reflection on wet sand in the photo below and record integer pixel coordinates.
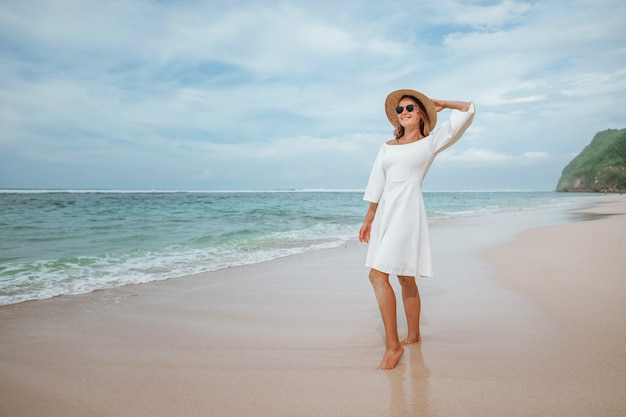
(409, 385)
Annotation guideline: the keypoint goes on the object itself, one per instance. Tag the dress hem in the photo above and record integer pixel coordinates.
(401, 273)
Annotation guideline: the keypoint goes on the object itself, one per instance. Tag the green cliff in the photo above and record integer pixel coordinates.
(600, 167)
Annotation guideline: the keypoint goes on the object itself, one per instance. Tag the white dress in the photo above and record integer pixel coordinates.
(399, 240)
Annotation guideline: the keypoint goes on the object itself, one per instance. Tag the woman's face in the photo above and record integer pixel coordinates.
(411, 118)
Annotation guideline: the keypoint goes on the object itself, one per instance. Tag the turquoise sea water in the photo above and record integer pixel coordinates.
(73, 242)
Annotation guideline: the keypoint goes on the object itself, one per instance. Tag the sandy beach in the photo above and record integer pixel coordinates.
(525, 317)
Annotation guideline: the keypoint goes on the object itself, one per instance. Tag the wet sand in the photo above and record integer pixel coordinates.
(524, 318)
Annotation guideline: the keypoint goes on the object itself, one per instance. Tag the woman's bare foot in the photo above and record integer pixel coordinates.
(391, 358)
(411, 339)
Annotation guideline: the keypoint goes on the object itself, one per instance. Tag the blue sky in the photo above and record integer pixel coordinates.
(264, 95)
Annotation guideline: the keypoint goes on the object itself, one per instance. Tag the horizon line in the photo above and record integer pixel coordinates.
(243, 190)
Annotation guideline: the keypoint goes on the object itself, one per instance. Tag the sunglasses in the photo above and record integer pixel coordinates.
(409, 108)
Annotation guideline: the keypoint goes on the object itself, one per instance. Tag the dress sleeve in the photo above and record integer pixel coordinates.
(448, 133)
(376, 183)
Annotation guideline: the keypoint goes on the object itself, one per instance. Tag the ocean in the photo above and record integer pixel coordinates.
(57, 242)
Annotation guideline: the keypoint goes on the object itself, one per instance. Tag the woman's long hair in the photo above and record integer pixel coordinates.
(424, 127)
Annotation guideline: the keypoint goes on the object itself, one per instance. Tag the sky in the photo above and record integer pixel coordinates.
(215, 95)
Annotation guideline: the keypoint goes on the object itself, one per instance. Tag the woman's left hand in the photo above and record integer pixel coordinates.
(439, 105)
(447, 104)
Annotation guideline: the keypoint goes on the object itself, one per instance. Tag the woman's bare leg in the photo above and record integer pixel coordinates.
(387, 304)
(412, 308)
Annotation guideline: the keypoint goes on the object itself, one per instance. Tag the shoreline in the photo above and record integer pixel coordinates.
(301, 335)
(68, 274)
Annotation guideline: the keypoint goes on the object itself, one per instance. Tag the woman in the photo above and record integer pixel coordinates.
(395, 226)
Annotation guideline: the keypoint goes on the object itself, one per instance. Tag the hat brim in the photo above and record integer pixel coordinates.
(394, 98)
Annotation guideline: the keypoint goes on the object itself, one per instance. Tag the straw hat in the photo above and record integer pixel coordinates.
(394, 98)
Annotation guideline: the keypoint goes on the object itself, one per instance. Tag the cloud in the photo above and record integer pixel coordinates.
(594, 83)
(269, 40)
(474, 155)
(486, 16)
(535, 155)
